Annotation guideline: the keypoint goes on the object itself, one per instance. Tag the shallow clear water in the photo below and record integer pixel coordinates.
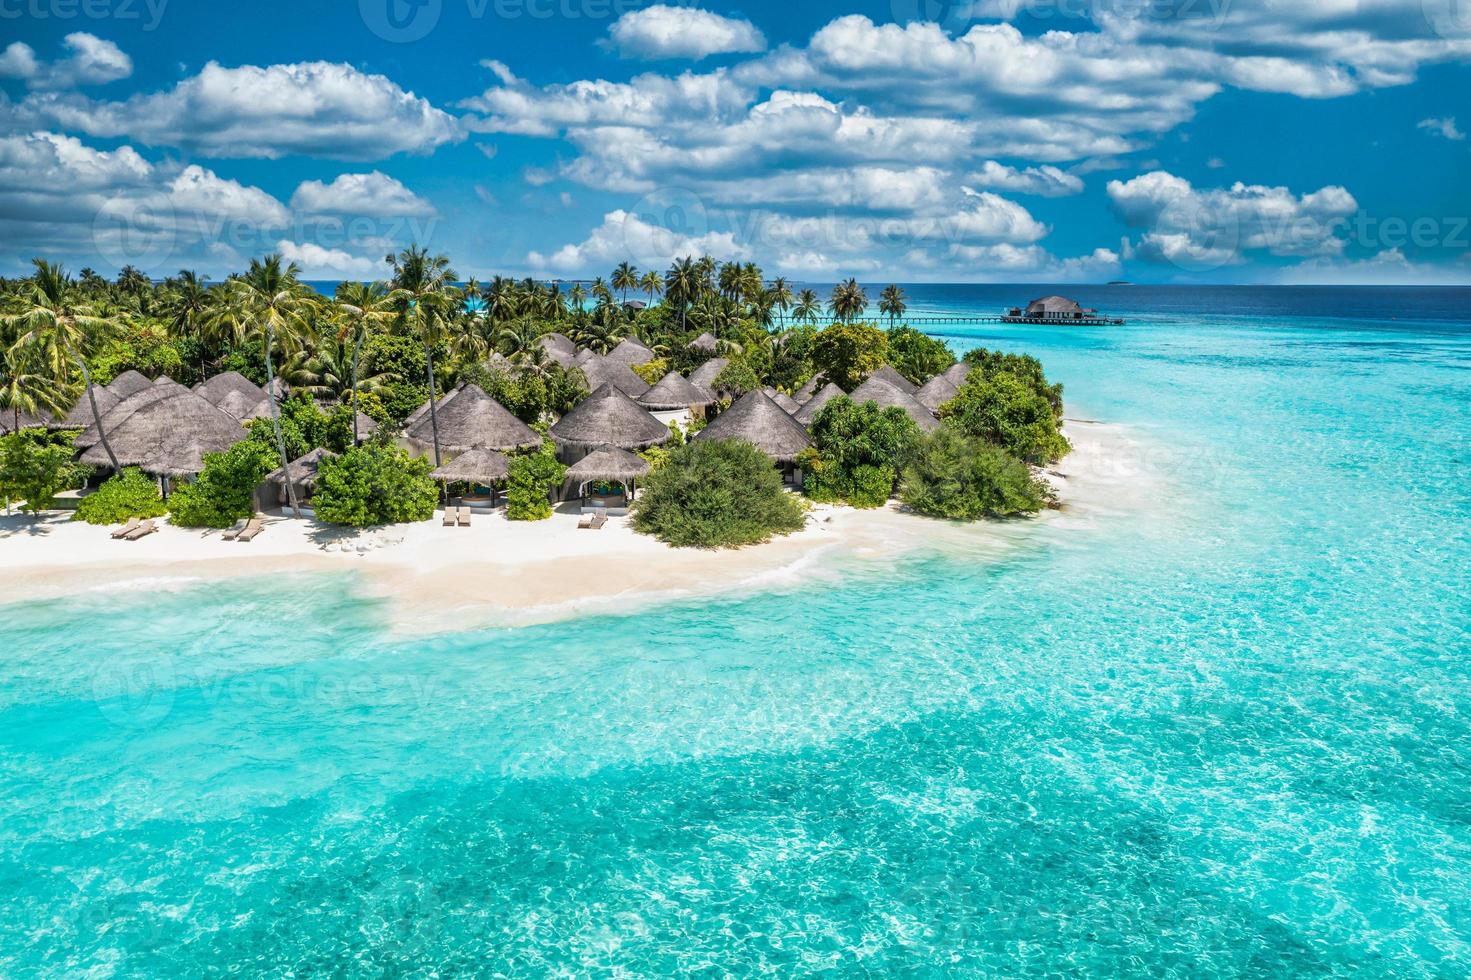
(1227, 734)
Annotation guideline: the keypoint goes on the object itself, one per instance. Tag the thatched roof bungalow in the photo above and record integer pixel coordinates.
(1054, 308)
(470, 419)
(885, 395)
(887, 373)
(810, 388)
(936, 392)
(235, 394)
(674, 392)
(605, 370)
(80, 415)
(756, 419)
(165, 436)
(782, 399)
(806, 413)
(606, 463)
(558, 347)
(127, 407)
(631, 351)
(302, 473)
(482, 466)
(704, 376)
(705, 343)
(608, 417)
(130, 382)
(957, 373)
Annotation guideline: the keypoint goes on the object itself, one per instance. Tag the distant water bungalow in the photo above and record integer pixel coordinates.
(1058, 309)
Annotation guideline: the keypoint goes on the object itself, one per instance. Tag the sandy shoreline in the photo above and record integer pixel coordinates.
(498, 572)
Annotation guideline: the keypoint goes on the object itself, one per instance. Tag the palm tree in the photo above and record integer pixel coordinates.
(187, 302)
(651, 284)
(272, 303)
(681, 284)
(625, 277)
(26, 390)
(578, 296)
(848, 301)
(500, 299)
(807, 308)
(57, 330)
(424, 290)
(781, 296)
(891, 301)
(518, 340)
(328, 372)
(361, 309)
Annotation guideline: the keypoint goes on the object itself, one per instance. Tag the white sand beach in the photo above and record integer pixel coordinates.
(502, 572)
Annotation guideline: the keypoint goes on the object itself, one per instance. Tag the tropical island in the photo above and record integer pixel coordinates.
(723, 412)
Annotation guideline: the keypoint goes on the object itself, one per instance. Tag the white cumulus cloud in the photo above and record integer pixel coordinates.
(662, 31)
(375, 194)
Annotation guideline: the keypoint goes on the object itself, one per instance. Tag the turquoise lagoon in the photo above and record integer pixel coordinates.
(1226, 732)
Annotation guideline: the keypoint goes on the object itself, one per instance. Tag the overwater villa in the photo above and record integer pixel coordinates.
(1057, 309)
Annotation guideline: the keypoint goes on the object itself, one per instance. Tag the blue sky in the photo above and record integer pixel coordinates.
(908, 140)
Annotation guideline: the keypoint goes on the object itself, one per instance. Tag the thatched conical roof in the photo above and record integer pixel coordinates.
(885, 395)
(957, 373)
(303, 470)
(366, 426)
(608, 417)
(604, 370)
(806, 413)
(236, 394)
(471, 419)
(484, 466)
(704, 376)
(113, 417)
(130, 382)
(422, 412)
(756, 419)
(936, 392)
(167, 435)
(705, 343)
(787, 403)
(886, 372)
(805, 393)
(631, 351)
(674, 391)
(558, 347)
(607, 463)
(9, 423)
(80, 415)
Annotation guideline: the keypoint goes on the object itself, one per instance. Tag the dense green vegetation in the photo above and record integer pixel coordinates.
(375, 484)
(384, 348)
(36, 465)
(857, 451)
(224, 492)
(533, 477)
(949, 474)
(127, 494)
(715, 494)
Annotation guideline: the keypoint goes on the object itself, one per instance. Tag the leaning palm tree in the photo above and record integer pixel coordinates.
(58, 329)
(891, 301)
(273, 305)
(624, 278)
(361, 309)
(424, 291)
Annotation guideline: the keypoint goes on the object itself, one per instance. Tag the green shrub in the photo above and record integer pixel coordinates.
(1024, 366)
(1011, 413)
(375, 484)
(720, 494)
(917, 356)
(737, 377)
(128, 494)
(35, 465)
(533, 477)
(961, 478)
(856, 452)
(224, 492)
(848, 352)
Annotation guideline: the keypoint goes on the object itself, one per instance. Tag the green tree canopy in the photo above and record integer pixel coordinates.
(225, 491)
(1023, 366)
(846, 353)
(715, 494)
(127, 494)
(375, 484)
(1009, 412)
(532, 478)
(917, 356)
(36, 465)
(955, 476)
(857, 450)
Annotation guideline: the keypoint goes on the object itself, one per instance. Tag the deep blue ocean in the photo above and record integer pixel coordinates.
(1223, 731)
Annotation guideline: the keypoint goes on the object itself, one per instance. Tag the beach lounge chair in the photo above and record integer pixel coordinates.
(126, 529)
(464, 517)
(598, 521)
(234, 532)
(141, 531)
(252, 528)
(451, 516)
